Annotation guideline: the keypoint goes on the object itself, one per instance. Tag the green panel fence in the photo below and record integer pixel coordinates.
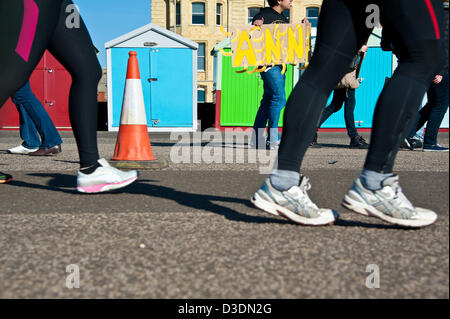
(242, 93)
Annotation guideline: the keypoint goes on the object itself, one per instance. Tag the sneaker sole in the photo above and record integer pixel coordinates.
(278, 210)
(435, 150)
(105, 187)
(17, 153)
(370, 211)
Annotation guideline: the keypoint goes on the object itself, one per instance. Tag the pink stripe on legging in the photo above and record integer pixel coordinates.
(433, 18)
(28, 30)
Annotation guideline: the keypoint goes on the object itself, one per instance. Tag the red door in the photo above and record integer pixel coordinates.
(50, 82)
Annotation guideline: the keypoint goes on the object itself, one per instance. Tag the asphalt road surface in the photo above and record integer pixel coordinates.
(189, 231)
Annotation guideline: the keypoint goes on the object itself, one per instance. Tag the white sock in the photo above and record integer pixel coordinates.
(283, 180)
(372, 180)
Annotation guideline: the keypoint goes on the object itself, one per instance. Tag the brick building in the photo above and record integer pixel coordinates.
(200, 21)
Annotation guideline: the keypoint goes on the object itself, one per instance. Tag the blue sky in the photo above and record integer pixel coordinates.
(109, 19)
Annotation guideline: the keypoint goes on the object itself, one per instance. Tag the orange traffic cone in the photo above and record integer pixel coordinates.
(133, 147)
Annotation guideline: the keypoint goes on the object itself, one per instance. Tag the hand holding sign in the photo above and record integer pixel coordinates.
(259, 23)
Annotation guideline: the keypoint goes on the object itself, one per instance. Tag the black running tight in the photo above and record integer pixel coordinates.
(28, 28)
(342, 30)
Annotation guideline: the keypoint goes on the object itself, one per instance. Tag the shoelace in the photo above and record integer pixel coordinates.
(305, 188)
(401, 198)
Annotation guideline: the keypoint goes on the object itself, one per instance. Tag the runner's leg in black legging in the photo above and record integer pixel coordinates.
(417, 40)
(339, 96)
(341, 32)
(74, 49)
(415, 37)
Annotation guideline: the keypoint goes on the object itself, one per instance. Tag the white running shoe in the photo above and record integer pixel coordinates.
(105, 178)
(293, 204)
(21, 150)
(389, 204)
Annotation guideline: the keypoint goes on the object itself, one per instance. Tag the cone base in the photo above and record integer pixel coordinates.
(133, 144)
(142, 165)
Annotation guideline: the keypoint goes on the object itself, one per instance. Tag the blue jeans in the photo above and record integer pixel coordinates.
(33, 119)
(434, 111)
(340, 97)
(273, 101)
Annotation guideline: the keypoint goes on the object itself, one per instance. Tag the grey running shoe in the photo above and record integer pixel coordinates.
(389, 204)
(293, 204)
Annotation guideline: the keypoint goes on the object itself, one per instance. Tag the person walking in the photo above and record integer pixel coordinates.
(34, 119)
(33, 26)
(274, 97)
(342, 30)
(437, 105)
(346, 96)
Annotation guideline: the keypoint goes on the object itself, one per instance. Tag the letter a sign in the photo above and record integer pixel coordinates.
(269, 45)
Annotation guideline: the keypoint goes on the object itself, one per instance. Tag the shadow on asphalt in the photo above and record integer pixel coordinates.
(321, 145)
(64, 183)
(351, 223)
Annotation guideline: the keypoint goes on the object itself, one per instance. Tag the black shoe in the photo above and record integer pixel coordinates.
(359, 142)
(434, 148)
(406, 144)
(314, 142)
(411, 143)
(415, 143)
(47, 151)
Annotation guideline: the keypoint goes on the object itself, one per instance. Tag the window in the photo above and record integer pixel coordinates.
(251, 14)
(201, 57)
(312, 14)
(201, 96)
(178, 13)
(198, 13)
(219, 14)
(287, 14)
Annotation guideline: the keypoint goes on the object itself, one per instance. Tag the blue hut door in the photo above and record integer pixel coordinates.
(119, 72)
(171, 87)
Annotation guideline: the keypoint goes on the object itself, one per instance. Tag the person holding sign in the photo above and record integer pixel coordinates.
(344, 26)
(274, 98)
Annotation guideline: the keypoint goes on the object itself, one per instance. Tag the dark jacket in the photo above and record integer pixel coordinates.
(387, 41)
(270, 16)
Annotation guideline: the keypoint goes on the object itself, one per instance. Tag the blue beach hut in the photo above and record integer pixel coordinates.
(168, 69)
